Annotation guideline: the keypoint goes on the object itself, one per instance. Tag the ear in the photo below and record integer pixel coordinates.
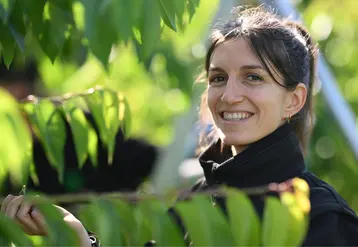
(296, 100)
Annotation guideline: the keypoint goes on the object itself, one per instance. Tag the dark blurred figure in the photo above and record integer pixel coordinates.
(19, 80)
(132, 164)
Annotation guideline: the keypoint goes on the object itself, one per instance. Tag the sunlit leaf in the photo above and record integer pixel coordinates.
(298, 221)
(104, 105)
(92, 145)
(124, 115)
(17, 139)
(50, 128)
(275, 223)
(197, 221)
(192, 5)
(79, 128)
(244, 221)
(167, 12)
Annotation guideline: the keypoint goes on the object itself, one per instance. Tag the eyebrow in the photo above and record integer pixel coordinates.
(218, 69)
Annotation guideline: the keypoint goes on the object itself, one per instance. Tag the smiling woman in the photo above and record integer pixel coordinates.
(260, 77)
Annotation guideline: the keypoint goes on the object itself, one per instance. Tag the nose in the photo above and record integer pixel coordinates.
(233, 92)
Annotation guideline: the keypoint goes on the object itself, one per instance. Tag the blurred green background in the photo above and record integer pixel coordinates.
(154, 103)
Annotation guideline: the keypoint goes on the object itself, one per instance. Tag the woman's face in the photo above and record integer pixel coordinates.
(246, 104)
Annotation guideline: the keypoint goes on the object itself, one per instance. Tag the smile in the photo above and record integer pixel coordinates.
(236, 116)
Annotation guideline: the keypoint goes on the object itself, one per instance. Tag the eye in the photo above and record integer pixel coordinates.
(253, 77)
(218, 79)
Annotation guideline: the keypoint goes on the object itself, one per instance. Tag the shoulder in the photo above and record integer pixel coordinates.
(332, 221)
(324, 198)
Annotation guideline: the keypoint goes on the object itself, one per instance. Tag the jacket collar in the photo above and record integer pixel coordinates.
(275, 158)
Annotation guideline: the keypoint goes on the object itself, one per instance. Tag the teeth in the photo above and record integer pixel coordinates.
(236, 116)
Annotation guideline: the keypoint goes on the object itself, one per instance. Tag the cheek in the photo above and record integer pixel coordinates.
(213, 97)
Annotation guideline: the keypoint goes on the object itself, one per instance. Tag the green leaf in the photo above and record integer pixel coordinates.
(149, 28)
(17, 26)
(10, 231)
(124, 115)
(59, 232)
(104, 105)
(192, 5)
(106, 224)
(179, 9)
(244, 221)
(6, 8)
(101, 36)
(275, 223)
(78, 123)
(34, 11)
(165, 231)
(197, 221)
(167, 12)
(53, 36)
(143, 228)
(92, 145)
(50, 128)
(124, 16)
(16, 138)
(298, 221)
(8, 45)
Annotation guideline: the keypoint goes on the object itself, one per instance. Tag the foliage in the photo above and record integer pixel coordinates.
(122, 221)
(125, 45)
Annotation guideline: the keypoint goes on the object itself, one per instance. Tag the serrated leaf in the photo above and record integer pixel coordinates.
(50, 129)
(197, 221)
(11, 232)
(244, 221)
(275, 223)
(149, 28)
(167, 12)
(79, 128)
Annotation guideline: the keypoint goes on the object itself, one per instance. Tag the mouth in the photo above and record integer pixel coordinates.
(236, 116)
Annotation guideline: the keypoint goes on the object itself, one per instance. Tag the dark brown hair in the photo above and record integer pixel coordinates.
(281, 45)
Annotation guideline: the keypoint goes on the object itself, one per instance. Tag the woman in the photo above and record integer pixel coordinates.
(261, 74)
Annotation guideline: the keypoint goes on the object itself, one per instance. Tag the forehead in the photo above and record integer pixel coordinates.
(233, 54)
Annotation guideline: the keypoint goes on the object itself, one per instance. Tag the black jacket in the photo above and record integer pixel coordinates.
(277, 158)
